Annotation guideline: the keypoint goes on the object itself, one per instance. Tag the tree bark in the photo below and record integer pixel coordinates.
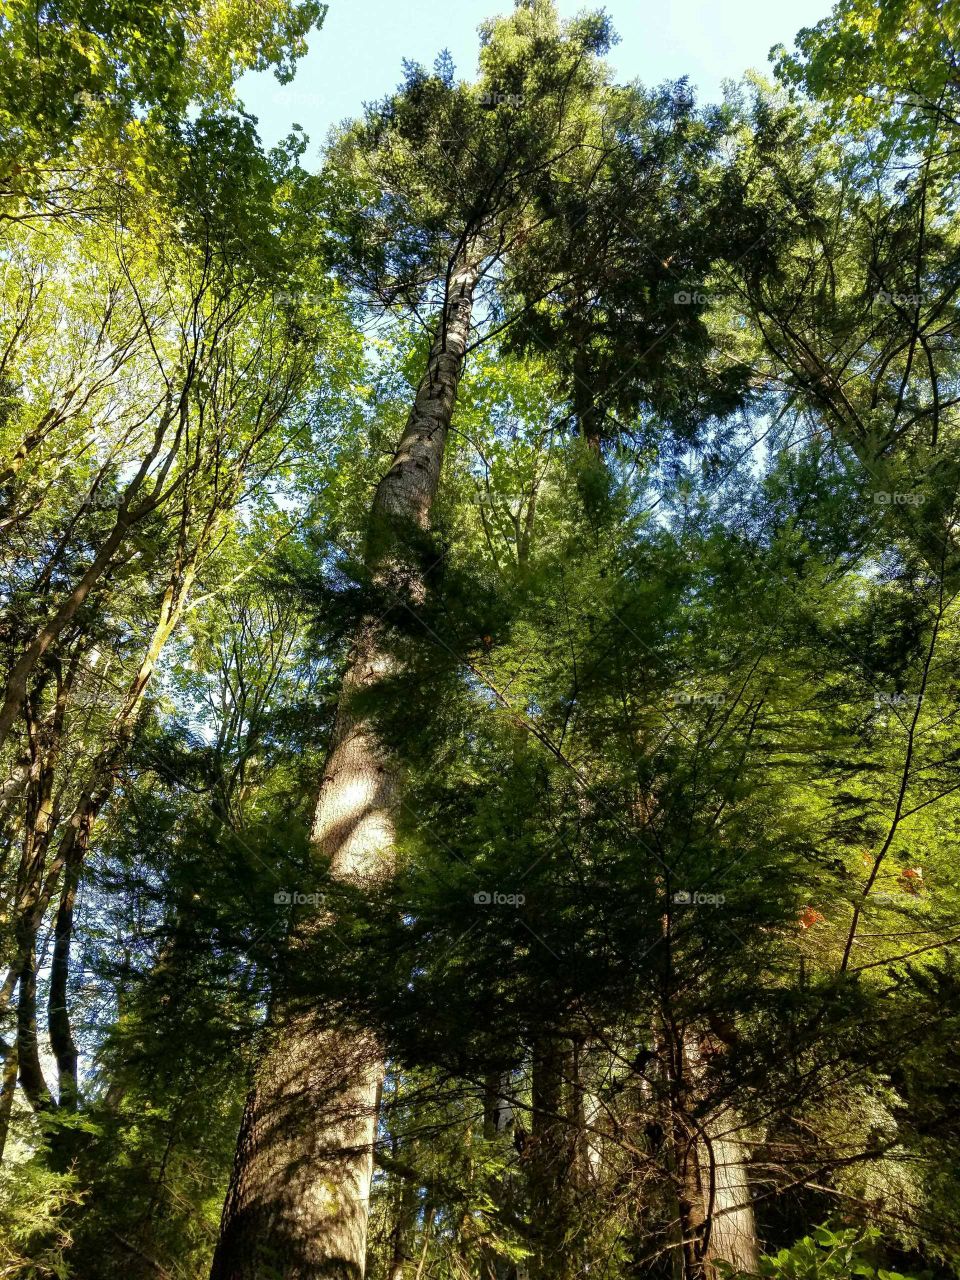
(298, 1199)
(8, 1087)
(715, 1209)
(58, 1011)
(553, 1161)
(733, 1230)
(28, 1048)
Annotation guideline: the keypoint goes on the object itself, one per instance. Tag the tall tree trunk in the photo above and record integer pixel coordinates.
(58, 1011)
(553, 1160)
(688, 1256)
(733, 1231)
(298, 1199)
(726, 1211)
(8, 1088)
(715, 1211)
(682, 1180)
(28, 1048)
(39, 821)
(39, 883)
(45, 740)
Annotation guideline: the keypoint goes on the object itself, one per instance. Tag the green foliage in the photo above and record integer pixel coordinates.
(33, 1242)
(825, 1255)
(75, 70)
(673, 718)
(889, 67)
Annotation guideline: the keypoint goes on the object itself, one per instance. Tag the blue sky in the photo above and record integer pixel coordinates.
(356, 56)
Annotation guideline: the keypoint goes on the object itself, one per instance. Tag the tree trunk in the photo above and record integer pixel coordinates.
(715, 1209)
(733, 1231)
(298, 1200)
(552, 1164)
(8, 1089)
(37, 888)
(28, 1048)
(404, 1225)
(58, 1010)
(688, 1258)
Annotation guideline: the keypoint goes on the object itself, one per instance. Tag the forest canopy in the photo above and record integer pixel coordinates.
(480, 691)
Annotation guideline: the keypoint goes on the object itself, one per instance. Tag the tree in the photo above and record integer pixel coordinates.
(84, 84)
(298, 1198)
(565, 477)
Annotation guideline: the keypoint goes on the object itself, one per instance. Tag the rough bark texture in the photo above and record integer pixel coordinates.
(716, 1212)
(733, 1231)
(8, 1086)
(297, 1204)
(298, 1201)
